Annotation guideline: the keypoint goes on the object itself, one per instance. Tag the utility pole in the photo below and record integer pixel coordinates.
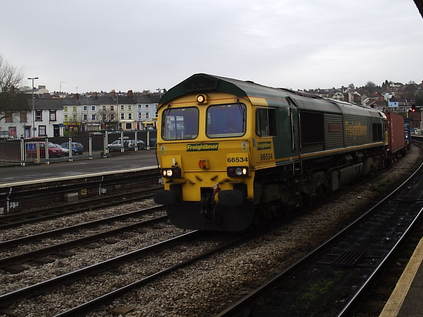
(33, 106)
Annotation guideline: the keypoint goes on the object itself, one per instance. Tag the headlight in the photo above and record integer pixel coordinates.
(174, 172)
(237, 171)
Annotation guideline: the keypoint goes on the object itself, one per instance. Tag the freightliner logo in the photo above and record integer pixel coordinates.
(196, 147)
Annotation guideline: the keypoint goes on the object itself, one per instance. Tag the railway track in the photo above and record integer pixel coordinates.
(201, 242)
(18, 219)
(32, 200)
(13, 263)
(329, 280)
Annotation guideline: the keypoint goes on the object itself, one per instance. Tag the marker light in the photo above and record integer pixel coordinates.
(201, 99)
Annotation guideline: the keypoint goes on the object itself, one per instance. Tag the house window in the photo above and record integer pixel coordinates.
(93, 108)
(112, 108)
(85, 107)
(122, 116)
(85, 117)
(129, 115)
(42, 130)
(146, 106)
(129, 107)
(146, 115)
(74, 108)
(139, 115)
(104, 107)
(93, 117)
(38, 115)
(112, 117)
(23, 116)
(139, 106)
(128, 126)
(52, 115)
(66, 117)
(65, 108)
(12, 131)
(122, 107)
(8, 117)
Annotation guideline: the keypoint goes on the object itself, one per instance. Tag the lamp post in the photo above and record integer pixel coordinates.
(33, 106)
(117, 109)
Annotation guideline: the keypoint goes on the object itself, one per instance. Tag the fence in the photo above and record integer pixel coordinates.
(94, 145)
(10, 151)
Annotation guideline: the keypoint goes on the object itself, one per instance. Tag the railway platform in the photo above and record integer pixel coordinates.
(406, 299)
(128, 161)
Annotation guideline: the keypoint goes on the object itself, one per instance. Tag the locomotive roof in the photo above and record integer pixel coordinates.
(203, 83)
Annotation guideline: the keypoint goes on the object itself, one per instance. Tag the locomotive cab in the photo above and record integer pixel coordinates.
(204, 156)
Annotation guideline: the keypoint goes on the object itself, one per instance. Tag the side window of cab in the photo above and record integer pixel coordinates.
(265, 122)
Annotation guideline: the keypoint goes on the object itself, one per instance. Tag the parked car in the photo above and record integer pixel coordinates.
(127, 145)
(116, 145)
(140, 143)
(54, 150)
(77, 148)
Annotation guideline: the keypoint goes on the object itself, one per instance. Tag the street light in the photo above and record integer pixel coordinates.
(33, 105)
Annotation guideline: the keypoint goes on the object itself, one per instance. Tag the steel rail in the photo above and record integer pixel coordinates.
(68, 244)
(141, 212)
(235, 308)
(41, 286)
(56, 212)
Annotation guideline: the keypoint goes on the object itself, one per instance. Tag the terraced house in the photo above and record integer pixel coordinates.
(46, 120)
(112, 112)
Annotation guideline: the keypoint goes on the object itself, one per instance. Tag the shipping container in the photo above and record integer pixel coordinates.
(396, 136)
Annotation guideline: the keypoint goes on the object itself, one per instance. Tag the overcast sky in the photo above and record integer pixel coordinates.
(149, 44)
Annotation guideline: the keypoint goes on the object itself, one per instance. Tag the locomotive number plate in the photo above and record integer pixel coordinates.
(237, 159)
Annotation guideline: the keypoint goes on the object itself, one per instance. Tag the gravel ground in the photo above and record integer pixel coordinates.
(61, 222)
(76, 293)
(88, 254)
(208, 286)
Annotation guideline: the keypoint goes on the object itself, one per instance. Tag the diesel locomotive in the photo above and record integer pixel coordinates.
(230, 151)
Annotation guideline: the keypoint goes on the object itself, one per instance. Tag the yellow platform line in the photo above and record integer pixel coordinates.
(395, 301)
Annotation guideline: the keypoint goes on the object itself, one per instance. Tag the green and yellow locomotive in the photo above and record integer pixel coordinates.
(232, 150)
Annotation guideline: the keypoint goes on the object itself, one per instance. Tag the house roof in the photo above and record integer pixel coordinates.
(47, 104)
(110, 100)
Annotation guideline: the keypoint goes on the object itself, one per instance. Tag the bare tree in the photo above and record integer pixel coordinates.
(10, 77)
(10, 80)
